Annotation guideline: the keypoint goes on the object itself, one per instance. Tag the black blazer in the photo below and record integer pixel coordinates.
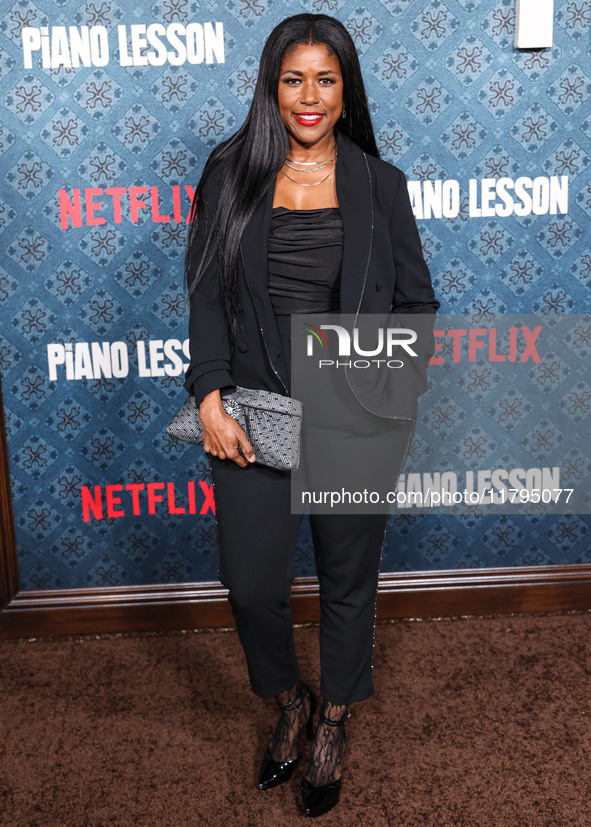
(383, 270)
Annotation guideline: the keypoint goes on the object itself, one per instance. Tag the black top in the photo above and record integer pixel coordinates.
(305, 254)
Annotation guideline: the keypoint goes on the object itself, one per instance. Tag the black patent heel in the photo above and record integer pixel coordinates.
(320, 799)
(274, 772)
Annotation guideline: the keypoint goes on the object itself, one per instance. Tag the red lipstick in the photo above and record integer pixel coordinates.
(308, 118)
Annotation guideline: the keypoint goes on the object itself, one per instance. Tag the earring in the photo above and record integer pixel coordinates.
(344, 112)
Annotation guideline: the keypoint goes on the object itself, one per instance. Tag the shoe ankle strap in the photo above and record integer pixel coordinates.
(290, 706)
(332, 721)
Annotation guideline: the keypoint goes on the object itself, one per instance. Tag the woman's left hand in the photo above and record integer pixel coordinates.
(222, 435)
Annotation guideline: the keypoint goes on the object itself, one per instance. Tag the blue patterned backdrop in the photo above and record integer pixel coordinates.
(450, 99)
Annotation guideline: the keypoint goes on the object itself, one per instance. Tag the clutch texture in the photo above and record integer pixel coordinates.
(271, 422)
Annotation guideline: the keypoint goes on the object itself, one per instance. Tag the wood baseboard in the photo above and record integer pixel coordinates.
(199, 605)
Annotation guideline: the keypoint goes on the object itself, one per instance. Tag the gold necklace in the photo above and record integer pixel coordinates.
(311, 163)
(299, 183)
(308, 185)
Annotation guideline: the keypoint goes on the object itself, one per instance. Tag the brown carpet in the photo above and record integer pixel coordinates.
(475, 721)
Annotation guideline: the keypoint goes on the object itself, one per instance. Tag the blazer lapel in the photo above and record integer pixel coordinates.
(255, 251)
(254, 247)
(355, 201)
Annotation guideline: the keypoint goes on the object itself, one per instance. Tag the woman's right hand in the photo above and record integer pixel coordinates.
(222, 435)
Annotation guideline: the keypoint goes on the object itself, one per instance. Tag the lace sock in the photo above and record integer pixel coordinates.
(329, 742)
(295, 710)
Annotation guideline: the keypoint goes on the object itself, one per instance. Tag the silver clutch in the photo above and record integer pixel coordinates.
(271, 422)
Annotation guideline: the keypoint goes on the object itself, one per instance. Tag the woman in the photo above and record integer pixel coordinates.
(295, 213)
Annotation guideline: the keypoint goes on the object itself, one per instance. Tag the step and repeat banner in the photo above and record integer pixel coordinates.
(110, 110)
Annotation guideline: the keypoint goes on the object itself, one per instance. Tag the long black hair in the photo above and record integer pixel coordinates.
(251, 158)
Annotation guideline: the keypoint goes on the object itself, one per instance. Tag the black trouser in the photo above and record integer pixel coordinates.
(257, 539)
(257, 536)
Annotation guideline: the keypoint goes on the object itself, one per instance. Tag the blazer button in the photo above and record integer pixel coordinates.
(239, 308)
(378, 286)
(242, 347)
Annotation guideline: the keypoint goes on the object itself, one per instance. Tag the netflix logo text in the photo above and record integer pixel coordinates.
(83, 207)
(150, 498)
(517, 344)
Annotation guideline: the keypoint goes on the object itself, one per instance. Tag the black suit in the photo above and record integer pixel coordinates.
(378, 224)
(383, 269)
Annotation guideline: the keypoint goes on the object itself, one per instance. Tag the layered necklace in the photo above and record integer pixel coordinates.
(299, 166)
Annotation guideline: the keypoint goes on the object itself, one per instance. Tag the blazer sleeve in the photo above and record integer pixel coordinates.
(413, 291)
(209, 338)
